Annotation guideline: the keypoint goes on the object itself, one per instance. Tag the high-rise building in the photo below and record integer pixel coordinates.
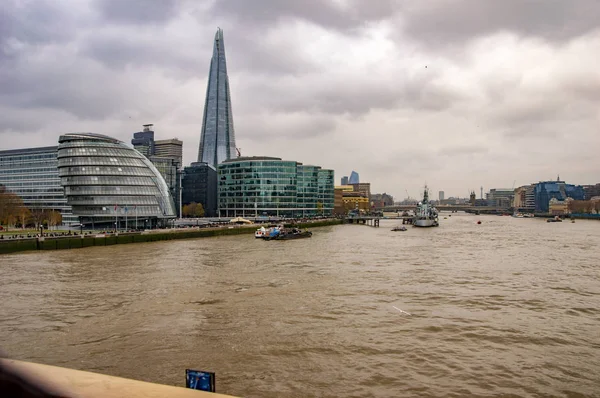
(166, 155)
(143, 141)
(441, 195)
(172, 148)
(344, 180)
(32, 174)
(217, 140)
(354, 178)
(107, 182)
(200, 186)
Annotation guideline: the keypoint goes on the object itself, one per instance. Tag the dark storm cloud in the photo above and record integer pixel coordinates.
(138, 11)
(444, 22)
(261, 13)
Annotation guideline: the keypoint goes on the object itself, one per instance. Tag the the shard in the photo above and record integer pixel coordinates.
(217, 142)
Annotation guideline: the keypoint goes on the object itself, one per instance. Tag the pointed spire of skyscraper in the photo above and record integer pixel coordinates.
(217, 141)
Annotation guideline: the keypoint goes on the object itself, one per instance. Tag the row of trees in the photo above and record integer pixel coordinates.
(13, 212)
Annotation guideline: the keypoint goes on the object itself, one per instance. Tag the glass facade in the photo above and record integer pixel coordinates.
(33, 175)
(200, 186)
(105, 181)
(256, 186)
(326, 193)
(546, 190)
(217, 142)
(354, 178)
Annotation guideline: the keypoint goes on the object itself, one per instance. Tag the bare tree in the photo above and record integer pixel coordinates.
(54, 218)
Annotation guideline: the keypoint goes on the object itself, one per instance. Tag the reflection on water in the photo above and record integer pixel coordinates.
(511, 306)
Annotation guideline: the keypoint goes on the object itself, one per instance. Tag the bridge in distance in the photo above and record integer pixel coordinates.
(465, 208)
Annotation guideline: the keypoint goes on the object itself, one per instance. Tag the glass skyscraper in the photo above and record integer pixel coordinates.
(354, 178)
(217, 142)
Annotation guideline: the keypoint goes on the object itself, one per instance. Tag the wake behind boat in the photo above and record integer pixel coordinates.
(425, 214)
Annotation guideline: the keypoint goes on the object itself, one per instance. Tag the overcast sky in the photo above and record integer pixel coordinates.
(455, 94)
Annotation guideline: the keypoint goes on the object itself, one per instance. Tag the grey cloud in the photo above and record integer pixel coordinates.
(296, 126)
(138, 11)
(462, 150)
(443, 22)
(260, 13)
(36, 22)
(321, 94)
(118, 52)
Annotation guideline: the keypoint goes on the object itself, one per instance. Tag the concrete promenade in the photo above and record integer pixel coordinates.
(113, 238)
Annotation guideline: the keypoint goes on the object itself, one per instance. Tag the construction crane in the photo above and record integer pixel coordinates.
(239, 152)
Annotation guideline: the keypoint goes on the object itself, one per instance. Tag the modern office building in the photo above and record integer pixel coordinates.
(546, 190)
(524, 198)
(167, 156)
(344, 180)
(143, 141)
(441, 195)
(591, 191)
(308, 187)
(200, 186)
(500, 198)
(354, 178)
(107, 183)
(217, 140)
(256, 186)
(32, 173)
(171, 148)
(326, 192)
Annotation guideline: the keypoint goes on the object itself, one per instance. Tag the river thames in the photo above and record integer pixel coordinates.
(508, 307)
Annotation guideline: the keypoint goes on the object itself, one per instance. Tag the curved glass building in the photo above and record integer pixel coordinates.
(261, 186)
(107, 182)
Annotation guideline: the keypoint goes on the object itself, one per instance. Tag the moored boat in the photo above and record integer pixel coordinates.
(283, 234)
(425, 214)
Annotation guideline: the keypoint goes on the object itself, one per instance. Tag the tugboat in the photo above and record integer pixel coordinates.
(425, 214)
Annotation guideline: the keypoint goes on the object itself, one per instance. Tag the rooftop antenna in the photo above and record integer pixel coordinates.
(481, 197)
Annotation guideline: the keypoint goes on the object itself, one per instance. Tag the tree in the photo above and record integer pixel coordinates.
(193, 210)
(10, 205)
(54, 218)
(199, 211)
(24, 216)
(38, 216)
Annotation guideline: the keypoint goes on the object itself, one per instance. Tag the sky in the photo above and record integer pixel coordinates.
(456, 94)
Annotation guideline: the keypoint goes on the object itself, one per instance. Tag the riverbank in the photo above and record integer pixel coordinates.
(81, 241)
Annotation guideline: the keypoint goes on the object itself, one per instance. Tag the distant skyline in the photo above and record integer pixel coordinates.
(455, 94)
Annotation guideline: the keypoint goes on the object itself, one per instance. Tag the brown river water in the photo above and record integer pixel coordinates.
(510, 307)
